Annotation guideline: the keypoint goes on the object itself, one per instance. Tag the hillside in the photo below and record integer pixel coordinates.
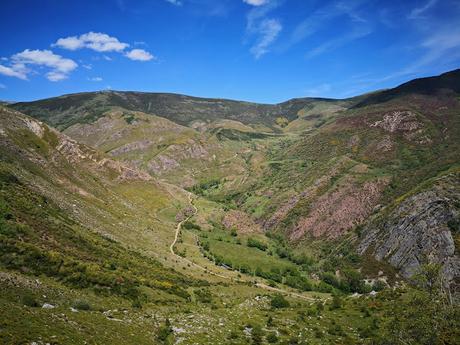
(448, 82)
(64, 111)
(157, 217)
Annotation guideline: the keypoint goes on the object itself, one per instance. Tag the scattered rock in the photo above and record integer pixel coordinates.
(48, 306)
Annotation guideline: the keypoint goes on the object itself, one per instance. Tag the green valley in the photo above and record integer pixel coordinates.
(148, 218)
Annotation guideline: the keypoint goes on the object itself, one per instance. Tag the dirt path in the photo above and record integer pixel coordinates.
(259, 285)
(179, 226)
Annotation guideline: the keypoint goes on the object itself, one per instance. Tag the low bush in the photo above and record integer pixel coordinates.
(278, 301)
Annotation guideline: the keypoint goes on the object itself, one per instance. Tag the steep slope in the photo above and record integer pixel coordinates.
(420, 227)
(105, 195)
(325, 184)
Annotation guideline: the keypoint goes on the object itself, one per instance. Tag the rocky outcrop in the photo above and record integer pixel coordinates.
(404, 121)
(337, 211)
(421, 229)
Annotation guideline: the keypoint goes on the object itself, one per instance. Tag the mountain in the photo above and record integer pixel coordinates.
(448, 82)
(64, 111)
(156, 217)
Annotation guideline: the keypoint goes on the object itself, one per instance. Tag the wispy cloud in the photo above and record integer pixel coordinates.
(269, 30)
(97, 79)
(418, 11)
(338, 42)
(265, 29)
(321, 18)
(437, 49)
(2, 86)
(60, 67)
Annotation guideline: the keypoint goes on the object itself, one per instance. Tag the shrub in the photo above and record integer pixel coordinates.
(300, 283)
(29, 301)
(257, 335)
(330, 278)
(319, 306)
(336, 302)
(233, 335)
(378, 285)
(272, 338)
(278, 301)
(203, 296)
(136, 304)
(324, 287)
(252, 242)
(189, 225)
(81, 305)
(164, 332)
(336, 330)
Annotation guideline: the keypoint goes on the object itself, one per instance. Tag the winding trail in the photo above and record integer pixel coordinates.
(237, 280)
(179, 225)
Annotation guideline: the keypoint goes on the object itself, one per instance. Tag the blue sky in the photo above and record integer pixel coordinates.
(256, 50)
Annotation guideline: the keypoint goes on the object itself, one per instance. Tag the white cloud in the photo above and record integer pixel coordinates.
(88, 66)
(269, 30)
(60, 67)
(255, 2)
(139, 55)
(102, 42)
(20, 63)
(12, 72)
(95, 79)
(70, 43)
(97, 41)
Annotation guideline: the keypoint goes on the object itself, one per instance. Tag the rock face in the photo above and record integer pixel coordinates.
(422, 229)
(336, 212)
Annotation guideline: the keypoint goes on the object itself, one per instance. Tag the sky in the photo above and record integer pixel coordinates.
(264, 51)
